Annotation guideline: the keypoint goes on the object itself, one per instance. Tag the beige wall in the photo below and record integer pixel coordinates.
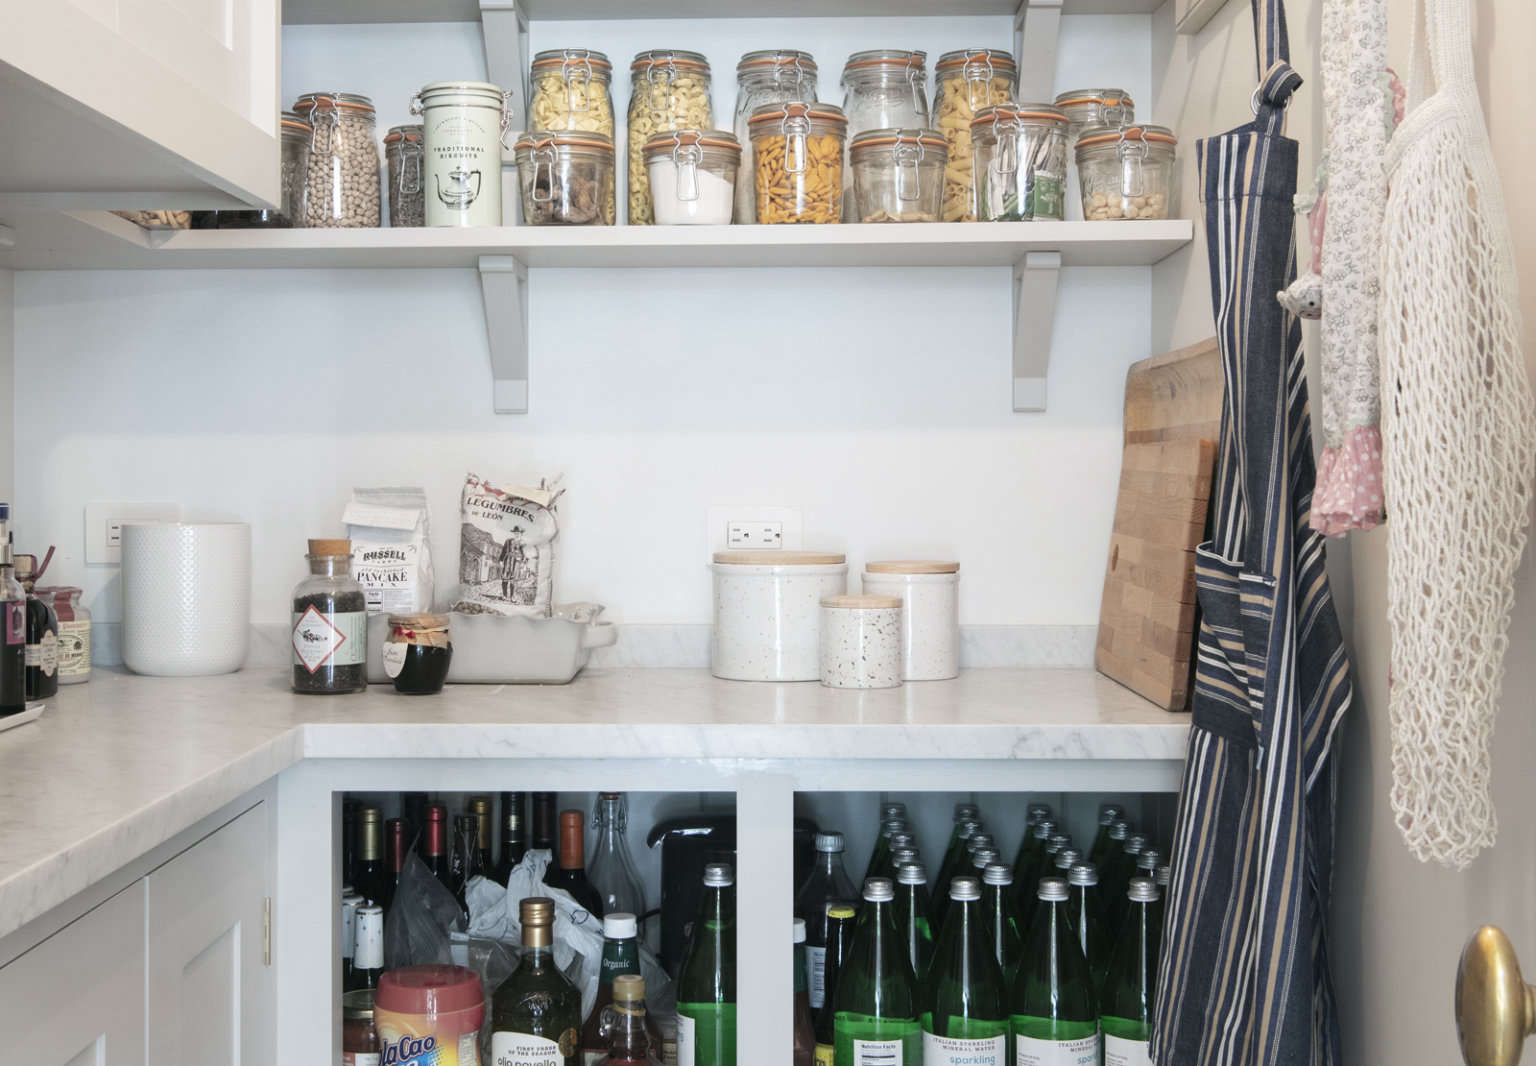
(1398, 925)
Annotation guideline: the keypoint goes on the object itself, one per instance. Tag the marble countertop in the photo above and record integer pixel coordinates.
(117, 766)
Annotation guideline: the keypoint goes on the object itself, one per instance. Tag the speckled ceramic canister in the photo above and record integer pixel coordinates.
(768, 613)
(930, 594)
(861, 641)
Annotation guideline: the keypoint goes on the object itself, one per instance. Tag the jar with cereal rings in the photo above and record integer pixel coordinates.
(341, 186)
(571, 91)
(767, 76)
(1126, 173)
(669, 91)
(797, 161)
(1021, 162)
(969, 79)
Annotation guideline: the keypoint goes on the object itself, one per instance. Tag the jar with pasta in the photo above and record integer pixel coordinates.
(669, 91)
(341, 187)
(898, 175)
(1126, 173)
(884, 88)
(769, 76)
(969, 80)
(797, 160)
(564, 178)
(571, 91)
(1021, 162)
(1095, 107)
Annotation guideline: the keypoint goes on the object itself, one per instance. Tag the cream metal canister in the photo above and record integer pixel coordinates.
(930, 592)
(463, 127)
(767, 613)
(861, 641)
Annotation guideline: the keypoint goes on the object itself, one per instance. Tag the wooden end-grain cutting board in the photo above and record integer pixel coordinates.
(1147, 617)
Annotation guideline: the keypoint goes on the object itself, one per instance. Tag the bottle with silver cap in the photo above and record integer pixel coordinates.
(536, 1012)
(13, 626)
(1147, 862)
(981, 858)
(1039, 812)
(877, 1001)
(914, 920)
(706, 983)
(1109, 814)
(881, 853)
(1118, 832)
(1129, 991)
(1161, 877)
(965, 1015)
(899, 858)
(1054, 1010)
(1067, 858)
(965, 828)
(826, 882)
(1086, 911)
(1027, 864)
(981, 840)
(1002, 924)
(1118, 874)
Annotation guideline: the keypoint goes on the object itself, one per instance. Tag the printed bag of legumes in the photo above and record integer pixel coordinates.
(507, 548)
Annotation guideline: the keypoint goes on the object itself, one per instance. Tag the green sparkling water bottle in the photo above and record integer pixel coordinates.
(876, 1023)
(890, 823)
(706, 983)
(1147, 862)
(911, 908)
(967, 824)
(965, 1013)
(1054, 1010)
(1001, 923)
(1027, 869)
(1109, 814)
(1086, 912)
(1126, 1014)
(1117, 878)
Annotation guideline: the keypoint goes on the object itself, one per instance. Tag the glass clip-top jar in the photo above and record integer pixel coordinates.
(330, 623)
(1126, 173)
(407, 200)
(767, 76)
(669, 91)
(341, 187)
(797, 161)
(1096, 107)
(969, 80)
(693, 176)
(1021, 162)
(565, 178)
(898, 175)
(417, 653)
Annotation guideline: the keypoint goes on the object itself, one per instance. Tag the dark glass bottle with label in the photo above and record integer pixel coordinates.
(434, 845)
(485, 829)
(368, 948)
(536, 1012)
(840, 919)
(543, 825)
(464, 865)
(802, 1025)
(572, 872)
(513, 842)
(371, 879)
(42, 654)
(13, 626)
(826, 883)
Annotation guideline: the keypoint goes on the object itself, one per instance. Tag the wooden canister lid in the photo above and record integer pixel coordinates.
(912, 566)
(866, 602)
(766, 558)
(330, 547)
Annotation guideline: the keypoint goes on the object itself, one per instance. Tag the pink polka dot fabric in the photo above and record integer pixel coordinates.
(1348, 494)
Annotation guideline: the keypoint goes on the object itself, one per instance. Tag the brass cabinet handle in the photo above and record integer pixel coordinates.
(1495, 1008)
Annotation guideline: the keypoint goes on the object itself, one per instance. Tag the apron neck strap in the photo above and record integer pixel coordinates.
(1277, 80)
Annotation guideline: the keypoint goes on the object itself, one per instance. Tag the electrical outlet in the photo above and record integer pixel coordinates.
(750, 527)
(754, 536)
(104, 526)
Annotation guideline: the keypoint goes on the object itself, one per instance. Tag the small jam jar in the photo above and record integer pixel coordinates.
(417, 653)
(359, 1036)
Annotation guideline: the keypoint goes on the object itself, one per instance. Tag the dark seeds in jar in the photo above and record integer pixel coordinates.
(330, 677)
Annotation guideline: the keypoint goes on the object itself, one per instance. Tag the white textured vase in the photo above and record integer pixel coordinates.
(186, 597)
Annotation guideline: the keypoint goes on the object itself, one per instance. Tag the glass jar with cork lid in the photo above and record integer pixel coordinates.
(330, 623)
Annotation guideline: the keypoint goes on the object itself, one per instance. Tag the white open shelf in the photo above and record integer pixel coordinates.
(300, 12)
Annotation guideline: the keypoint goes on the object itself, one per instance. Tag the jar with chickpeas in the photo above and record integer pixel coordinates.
(1126, 173)
(669, 92)
(969, 80)
(797, 161)
(767, 76)
(341, 186)
(571, 91)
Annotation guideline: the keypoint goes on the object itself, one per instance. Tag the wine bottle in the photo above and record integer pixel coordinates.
(543, 828)
(877, 1002)
(840, 919)
(536, 1012)
(571, 873)
(1001, 924)
(13, 626)
(612, 870)
(372, 881)
(706, 983)
(513, 842)
(1130, 988)
(621, 955)
(480, 807)
(965, 1014)
(394, 853)
(1109, 814)
(413, 811)
(350, 901)
(803, 1043)
(1054, 1012)
(434, 845)
(879, 856)
(349, 809)
(826, 883)
(368, 957)
(913, 922)
(967, 824)
(1086, 912)
(631, 1038)
(465, 862)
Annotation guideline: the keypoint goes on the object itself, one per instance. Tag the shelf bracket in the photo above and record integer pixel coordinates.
(1036, 27)
(1034, 319)
(504, 26)
(504, 288)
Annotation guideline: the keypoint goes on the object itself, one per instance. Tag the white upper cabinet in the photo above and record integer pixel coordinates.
(138, 103)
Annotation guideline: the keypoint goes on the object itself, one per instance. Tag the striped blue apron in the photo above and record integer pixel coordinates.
(1244, 977)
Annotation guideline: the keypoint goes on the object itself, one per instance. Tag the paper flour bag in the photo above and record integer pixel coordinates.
(391, 549)
(507, 548)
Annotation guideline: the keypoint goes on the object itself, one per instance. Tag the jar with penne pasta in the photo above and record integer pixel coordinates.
(969, 80)
(797, 160)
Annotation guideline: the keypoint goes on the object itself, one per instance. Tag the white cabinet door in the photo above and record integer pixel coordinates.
(77, 999)
(138, 103)
(210, 989)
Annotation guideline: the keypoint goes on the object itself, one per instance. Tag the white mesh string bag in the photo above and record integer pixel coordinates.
(1459, 434)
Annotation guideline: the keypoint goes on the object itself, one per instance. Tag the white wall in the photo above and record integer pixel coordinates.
(877, 401)
(7, 384)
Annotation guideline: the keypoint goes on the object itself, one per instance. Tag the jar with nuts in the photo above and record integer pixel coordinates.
(1021, 162)
(1126, 173)
(407, 201)
(797, 160)
(768, 76)
(564, 178)
(669, 92)
(571, 92)
(969, 80)
(341, 185)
